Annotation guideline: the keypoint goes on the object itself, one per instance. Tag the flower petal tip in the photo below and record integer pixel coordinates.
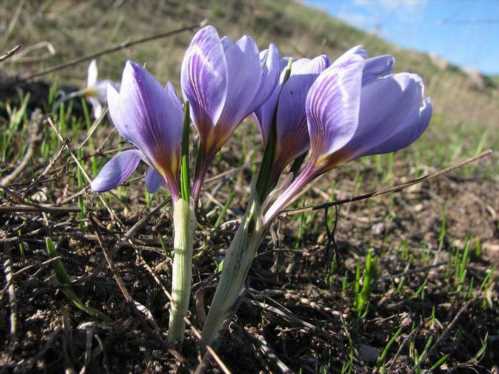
(116, 171)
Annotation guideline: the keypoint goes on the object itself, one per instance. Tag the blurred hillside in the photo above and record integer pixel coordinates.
(59, 30)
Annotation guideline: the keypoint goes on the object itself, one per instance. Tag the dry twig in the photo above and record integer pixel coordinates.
(447, 330)
(113, 49)
(9, 279)
(25, 269)
(38, 208)
(385, 191)
(268, 352)
(10, 53)
(141, 222)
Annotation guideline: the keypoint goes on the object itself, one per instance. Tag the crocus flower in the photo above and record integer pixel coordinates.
(150, 117)
(358, 107)
(285, 108)
(96, 90)
(224, 82)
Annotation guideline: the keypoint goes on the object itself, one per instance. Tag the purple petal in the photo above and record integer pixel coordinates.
(116, 171)
(291, 108)
(204, 78)
(333, 104)
(292, 132)
(291, 193)
(408, 134)
(175, 101)
(271, 64)
(264, 114)
(146, 115)
(352, 53)
(315, 66)
(153, 180)
(243, 80)
(376, 67)
(396, 121)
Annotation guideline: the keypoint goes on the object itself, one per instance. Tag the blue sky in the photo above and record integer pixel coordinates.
(465, 32)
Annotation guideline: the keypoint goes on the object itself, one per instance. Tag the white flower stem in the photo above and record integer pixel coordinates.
(236, 265)
(183, 222)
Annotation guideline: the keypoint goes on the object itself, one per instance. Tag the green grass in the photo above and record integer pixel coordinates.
(363, 284)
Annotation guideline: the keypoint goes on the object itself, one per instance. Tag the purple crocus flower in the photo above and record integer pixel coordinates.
(357, 107)
(150, 117)
(224, 82)
(286, 106)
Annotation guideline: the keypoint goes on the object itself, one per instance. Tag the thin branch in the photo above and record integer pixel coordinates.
(38, 208)
(267, 351)
(140, 223)
(10, 53)
(225, 174)
(110, 264)
(401, 347)
(9, 279)
(447, 330)
(25, 269)
(396, 188)
(113, 49)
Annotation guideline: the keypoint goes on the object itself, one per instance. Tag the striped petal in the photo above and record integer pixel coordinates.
(150, 117)
(332, 109)
(204, 78)
(292, 132)
(332, 106)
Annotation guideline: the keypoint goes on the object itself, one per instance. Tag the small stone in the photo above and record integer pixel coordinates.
(378, 228)
(418, 208)
(491, 251)
(368, 353)
(414, 188)
(40, 196)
